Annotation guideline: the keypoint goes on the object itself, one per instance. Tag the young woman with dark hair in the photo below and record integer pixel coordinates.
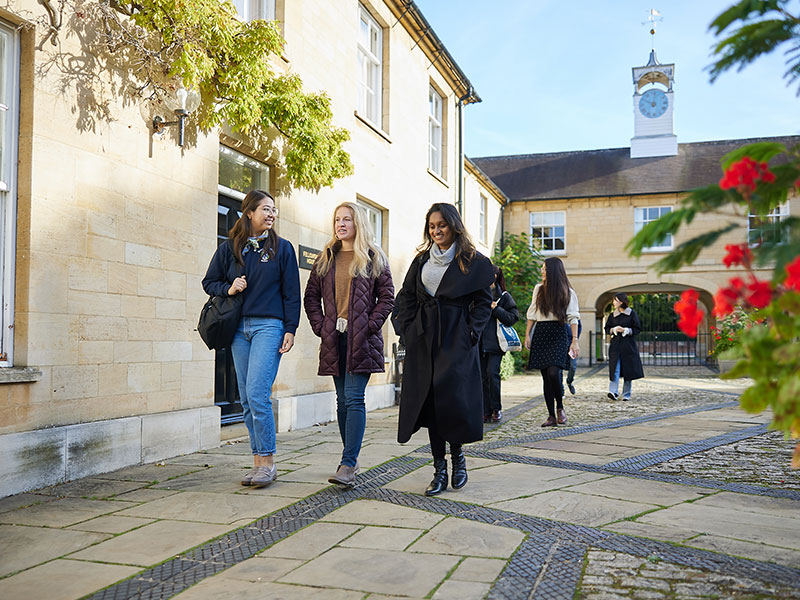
(553, 304)
(504, 309)
(270, 283)
(440, 312)
(348, 298)
(623, 353)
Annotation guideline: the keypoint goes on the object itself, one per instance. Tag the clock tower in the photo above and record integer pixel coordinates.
(653, 110)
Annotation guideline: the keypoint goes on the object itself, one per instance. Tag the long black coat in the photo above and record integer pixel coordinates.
(624, 348)
(507, 313)
(441, 334)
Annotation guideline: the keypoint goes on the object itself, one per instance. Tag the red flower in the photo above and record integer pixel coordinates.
(724, 301)
(793, 273)
(737, 254)
(745, 174)
(759, 293)
(688, 312)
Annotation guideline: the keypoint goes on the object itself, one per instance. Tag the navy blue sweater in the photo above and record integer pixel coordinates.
(273, 287)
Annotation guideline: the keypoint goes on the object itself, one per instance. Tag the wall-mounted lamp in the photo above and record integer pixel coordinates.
(182, 103)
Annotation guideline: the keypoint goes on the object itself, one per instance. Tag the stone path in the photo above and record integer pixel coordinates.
(676, 494)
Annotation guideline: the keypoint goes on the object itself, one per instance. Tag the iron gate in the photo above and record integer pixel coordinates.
(661, 349)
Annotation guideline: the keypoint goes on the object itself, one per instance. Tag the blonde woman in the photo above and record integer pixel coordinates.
(348, 298)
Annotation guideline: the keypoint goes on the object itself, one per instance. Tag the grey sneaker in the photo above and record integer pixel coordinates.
(248, 477)
(345, 476)
(264, 476)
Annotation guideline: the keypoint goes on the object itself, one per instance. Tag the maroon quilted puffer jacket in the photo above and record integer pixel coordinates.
(371, 302)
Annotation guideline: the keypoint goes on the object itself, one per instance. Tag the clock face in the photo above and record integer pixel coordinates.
(653, 104)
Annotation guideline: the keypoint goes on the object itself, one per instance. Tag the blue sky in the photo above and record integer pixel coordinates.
(556, 76)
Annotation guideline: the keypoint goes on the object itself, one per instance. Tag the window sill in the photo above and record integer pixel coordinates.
(19, 374)
(657, 250)
(373, 127)
(553, 252)
(439, 178)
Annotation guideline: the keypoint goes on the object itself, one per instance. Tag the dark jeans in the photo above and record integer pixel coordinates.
(490, 374)
(351, 412)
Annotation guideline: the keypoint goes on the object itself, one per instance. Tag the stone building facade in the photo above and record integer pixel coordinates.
(108, 230)
(585, 206)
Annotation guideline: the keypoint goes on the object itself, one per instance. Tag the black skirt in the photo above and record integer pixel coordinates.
(550, 345)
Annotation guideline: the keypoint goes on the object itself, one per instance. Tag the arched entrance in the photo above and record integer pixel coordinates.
(660, 343)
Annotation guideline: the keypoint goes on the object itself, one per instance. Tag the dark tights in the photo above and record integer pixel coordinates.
(551, 376)
(438, 444)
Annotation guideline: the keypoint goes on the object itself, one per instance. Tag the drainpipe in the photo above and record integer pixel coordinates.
(502, 227)
(460, 116)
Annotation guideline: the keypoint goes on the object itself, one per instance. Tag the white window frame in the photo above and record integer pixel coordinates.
(244, 160)
(370, 66)
(435, 131)
(375, 219)
(9, 112)
(779, 213)
(251, 10)
(484, 205)
(550, 219)
(642, 215)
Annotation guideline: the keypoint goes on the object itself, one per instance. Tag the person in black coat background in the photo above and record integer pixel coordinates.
(439, 314)
(623, 353)
(504, 309)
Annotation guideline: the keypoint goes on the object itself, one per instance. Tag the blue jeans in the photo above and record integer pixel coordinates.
(613, 385)
(351, 412)
(256, 358)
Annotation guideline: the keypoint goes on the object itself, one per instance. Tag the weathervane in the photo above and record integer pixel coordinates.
(653, 17)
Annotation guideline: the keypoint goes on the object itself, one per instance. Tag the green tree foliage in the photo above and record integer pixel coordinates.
(757, 179)
(522, 269)
(202, 44)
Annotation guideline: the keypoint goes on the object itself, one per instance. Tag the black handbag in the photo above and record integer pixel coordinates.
(220, 316)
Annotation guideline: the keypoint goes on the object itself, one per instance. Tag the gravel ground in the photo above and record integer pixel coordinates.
(609, 575)
(590, 405)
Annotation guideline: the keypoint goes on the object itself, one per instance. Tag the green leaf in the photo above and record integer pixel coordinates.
(754, 398)
(655, 231)
(740, 369)
(759, 152)
(687, 252)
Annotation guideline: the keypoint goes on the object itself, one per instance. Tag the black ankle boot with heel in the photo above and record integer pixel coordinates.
(439, 482)
(459, 479)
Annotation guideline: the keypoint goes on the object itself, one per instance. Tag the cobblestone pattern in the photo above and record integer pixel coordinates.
(618, 575)
(748, 456)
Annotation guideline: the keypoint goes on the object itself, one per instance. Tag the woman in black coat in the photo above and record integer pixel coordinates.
(504, 309)
(440, 312)
(623, 353)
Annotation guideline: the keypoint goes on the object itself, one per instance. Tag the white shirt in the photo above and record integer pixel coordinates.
(573, 310)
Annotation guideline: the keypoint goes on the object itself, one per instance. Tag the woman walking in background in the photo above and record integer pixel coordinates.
(270, 284)
(348, 298)
(553, 304)
(504, 309)
(441, 310)
(623, 353)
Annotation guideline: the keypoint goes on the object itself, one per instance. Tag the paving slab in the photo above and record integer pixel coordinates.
(469, 538)
(211, 459)
(145, 495)
(91, 488)
(461, 590)
(152, 543)
(642, 490)
(480, 570)
(21, 500)
(781, 556)
(381, 538)
(208, 508)
(373, 512)
(781, 507)
(214, 479)
(314, 473)
(62, 580)
(571, 507)
(311, 541)
(585, 459)
(62, 512)
(215, 588)
(286, 489)
(24, 547)
(567, 446)
(111, 524)
(261, 568)
(380, 571)
(738, 524)
(653, 532)
(152, 473)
